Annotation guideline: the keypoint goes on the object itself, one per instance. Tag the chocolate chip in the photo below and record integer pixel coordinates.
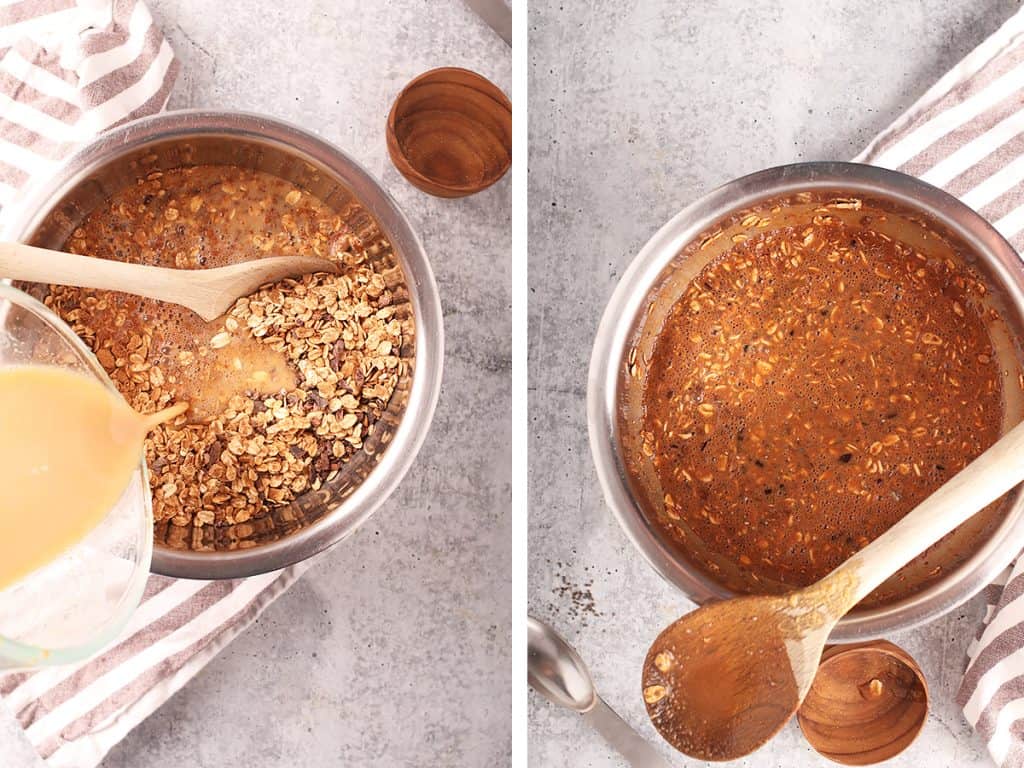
(213, 452)
(337, 354)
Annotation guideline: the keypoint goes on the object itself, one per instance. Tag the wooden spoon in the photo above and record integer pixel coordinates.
(721, 681)
(207, 292)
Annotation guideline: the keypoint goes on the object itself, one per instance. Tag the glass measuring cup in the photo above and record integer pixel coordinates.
(77, 604)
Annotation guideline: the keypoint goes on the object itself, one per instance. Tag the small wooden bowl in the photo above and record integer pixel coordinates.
(868, 703)
(450, 132)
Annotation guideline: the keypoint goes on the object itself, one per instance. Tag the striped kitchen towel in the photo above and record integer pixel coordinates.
(966, 135)
(68, 70)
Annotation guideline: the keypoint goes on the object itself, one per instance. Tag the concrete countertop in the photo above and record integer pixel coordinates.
(635, 111)
(394, 649)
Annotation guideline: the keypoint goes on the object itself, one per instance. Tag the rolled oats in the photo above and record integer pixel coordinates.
(304, 368)
(809, 387)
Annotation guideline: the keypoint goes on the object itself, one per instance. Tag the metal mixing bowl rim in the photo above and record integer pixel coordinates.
(628, 301)
(24, 217)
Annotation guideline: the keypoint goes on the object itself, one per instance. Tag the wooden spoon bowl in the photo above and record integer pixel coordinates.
(867, 704)
(450, 132)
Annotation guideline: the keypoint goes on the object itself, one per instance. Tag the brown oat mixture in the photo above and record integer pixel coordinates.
(810, 388)
(284, 389)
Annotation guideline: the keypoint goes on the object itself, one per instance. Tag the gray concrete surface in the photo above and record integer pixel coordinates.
(635, 110)
(394, 650)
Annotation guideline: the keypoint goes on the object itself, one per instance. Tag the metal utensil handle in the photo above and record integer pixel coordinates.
(620, 735)
(497, 14)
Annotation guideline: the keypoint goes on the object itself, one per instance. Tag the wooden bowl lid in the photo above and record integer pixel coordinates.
(867, 704)
(450, 132)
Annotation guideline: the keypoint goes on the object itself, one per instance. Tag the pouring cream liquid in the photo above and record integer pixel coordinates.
(68, 448)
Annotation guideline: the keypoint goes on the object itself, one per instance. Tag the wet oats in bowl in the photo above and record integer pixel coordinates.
(243, 484)
(284, 388)
(790, 365)
(814, 383)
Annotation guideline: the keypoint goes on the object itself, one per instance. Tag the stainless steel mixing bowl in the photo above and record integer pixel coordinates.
(51, 210)
(632, 300)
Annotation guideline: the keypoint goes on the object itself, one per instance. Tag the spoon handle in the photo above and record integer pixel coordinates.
(981, 482)
(41, 265)
(619, 734)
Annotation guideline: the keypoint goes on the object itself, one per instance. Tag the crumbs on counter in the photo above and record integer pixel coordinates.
(574, 600)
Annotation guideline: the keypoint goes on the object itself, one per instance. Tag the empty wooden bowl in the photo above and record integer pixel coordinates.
(450, 132)
(867, 704)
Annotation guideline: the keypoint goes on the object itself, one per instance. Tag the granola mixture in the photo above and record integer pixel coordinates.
(285, 388)
(810, 388)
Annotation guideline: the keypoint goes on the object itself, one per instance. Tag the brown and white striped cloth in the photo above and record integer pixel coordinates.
(68, 70)
(966, 135)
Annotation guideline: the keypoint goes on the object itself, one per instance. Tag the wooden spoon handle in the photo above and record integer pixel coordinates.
(41, 265)
(981, 482)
